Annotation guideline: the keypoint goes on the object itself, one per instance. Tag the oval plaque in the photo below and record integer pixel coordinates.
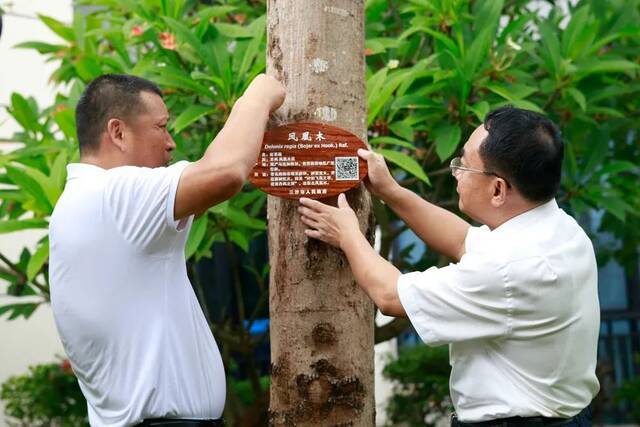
(311, 160)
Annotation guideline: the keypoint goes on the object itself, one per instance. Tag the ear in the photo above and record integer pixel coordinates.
(115, 133)
(499, 196)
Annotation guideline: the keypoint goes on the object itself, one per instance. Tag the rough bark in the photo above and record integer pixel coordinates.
(321, 322)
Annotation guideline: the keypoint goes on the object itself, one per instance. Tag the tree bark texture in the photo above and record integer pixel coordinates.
(322, 323)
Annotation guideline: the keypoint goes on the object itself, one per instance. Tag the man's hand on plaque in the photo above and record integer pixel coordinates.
(379, 180)
(326, 223)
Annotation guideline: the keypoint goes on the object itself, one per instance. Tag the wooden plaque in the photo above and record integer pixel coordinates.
(311, 160)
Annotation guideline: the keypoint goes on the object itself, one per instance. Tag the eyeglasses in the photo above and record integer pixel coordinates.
(456, 167)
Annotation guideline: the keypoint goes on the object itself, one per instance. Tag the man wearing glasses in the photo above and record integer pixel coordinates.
(519, 307)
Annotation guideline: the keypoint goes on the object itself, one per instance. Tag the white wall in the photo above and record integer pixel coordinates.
(25, 342)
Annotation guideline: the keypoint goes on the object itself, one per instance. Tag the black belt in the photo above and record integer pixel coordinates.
(513, 422)
(178, 422)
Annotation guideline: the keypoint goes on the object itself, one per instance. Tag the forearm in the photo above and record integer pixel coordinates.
(240, 140)
(375, 275)
(441, 230)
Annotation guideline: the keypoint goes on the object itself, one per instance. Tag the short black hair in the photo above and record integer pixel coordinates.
(526, 149)
(109, 96)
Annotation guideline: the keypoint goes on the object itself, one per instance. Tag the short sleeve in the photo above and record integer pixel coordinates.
(464, 301)
(141, 201)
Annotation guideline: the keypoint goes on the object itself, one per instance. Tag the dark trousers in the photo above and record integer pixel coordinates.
(583, 419)
(174, 422)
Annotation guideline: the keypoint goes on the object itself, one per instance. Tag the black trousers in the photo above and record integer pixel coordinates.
(176, 422)
(583, 419)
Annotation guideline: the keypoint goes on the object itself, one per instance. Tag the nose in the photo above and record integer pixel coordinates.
(171, 144)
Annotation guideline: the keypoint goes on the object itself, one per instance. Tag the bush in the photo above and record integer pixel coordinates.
(48, 396)
(421, 392)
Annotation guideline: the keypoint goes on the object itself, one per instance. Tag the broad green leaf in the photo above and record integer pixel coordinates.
(22, 112)
(405, 162)
(239, 239)
(579, 34)
(527, 105)
(37, 260)
(31, 186)
(41, 47)
(66, 121)
(592, 66)
(254, 48)
(486, 23)
(598, 148)
(48, 186)
(619, 166)
(198, 230)
(190, 115)
(58, 27)
(59, 170)
(447, 138)
(215, 12)
(413, 102)
(390, 140)
(402, 129)
(87, 68)
(550, 49)
(11, 225)
(578, 97)
(380, 98)
(480, 109)
(25, 309)
(233, 31)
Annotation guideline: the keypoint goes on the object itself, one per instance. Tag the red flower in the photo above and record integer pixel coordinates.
(136, 31)
(368, 52)
(167, 40)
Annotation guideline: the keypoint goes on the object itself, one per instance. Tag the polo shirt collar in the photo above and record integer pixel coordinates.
(83, 170)
(530, 217)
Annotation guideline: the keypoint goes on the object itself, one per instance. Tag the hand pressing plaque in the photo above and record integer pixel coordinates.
(311, 160)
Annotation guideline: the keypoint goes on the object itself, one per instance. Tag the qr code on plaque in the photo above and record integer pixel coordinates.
(347, 169)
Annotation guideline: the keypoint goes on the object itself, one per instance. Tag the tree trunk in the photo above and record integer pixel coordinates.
(321, 322)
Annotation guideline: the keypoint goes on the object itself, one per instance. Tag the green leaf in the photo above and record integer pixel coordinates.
(480, 109)
(31, 186)
(233, 31)
(88, 68)
(402, 129)
(197, 233)
(37, 260)
(190, 115)
(48, 186)
(59, 170)
(239, 239)
(527, 105)
(58, 27)
(579, 34)
(215, 12)
(447, 138)
(405, 162)
(22, 112)
(592, 66)
(16, 310)
(42, 48)
(486, 22)
(551, 49)
(11, 225)
(578, 97)
(392, 141)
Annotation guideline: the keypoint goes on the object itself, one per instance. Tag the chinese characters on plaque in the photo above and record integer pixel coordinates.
(308, 160)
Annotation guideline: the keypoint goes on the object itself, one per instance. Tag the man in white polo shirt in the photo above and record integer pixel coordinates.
(519, 308)
(126, 313)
